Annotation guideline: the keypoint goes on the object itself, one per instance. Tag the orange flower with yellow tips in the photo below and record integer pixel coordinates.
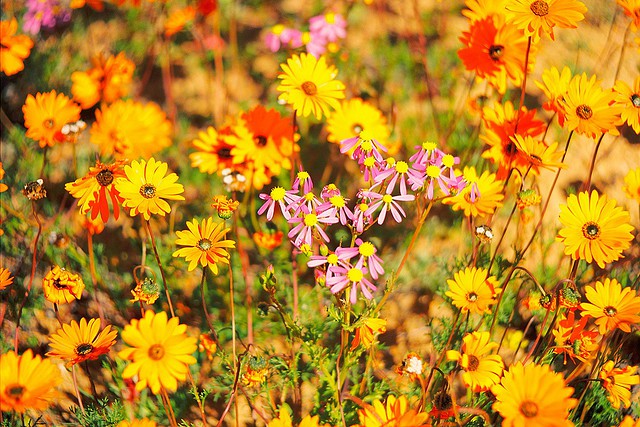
(481, 370)
(108, 80)
(14, 49)
(618, 382)
(538, 17)
(61, 286)
(612, 306)
(76, 343)
(366, 333)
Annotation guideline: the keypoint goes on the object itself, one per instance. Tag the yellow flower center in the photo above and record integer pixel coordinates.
(529, 409)
(367, 249)
(15, 391)
(448, 160)
(84, 349)
(278, 194)
(610, 311)
(337, 201)
(310, 220)
(369, 162)
(49, 123)
(591, 230)
(496, 52)
(309, 196)
(433, 171)
(330, 18)
(635, 100)
(429, 146)
(366, 145)
(472, 297)
(355, 275)
(309, 88)
(402, 167)
(474, 362)
(539, 8)
(156, 352)
(387, 198)
(363, 207)
(204, 244)
(104, 177)
(303, 176)
(148, 191)
(357, 128)
(332, 259)
(584, 111)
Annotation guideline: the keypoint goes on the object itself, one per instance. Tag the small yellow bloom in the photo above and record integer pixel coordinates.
(61, 286)
(205, 244)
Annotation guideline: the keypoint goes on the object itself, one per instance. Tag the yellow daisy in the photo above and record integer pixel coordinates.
(481, 370)
(480, 9)
(46, 114)
(538, 154)
(472, 291)
(28, 382)
(538, 17)
(284, 420)
(205, 244)
(594, 228)
(396, 412)
(352, 117)
(555, 84)
(618, 383)
(611, 306)
(146, 187)
(629, 99)
(61, 286)
(588, 108)
(145, 422)
(533, 396)
(130, 129)
(213, 152)
(160, 351)
(632, 184)
(76, 343)
(308, 85)
(632, 10)
(481, 196)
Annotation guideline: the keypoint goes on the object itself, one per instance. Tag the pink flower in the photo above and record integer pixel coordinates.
(279, 196)
(368, 257)
(344, 276)
(315, 44)
(303, 178)
(309, 224)
(337, 206)
(365, 146)
(388, 203)
(399, 172)
(329, 26)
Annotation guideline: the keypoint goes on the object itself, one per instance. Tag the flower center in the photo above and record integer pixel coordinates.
(310, 220)
(472, 297)
(104, 177)
(635, 100)
(584, 112)
(387, 198)
(433, 171)
(337, 201)
(529, 409)
(58, 285)
(260, 140)
(473, 363)
(84, 349)
(148, 191)
(156, 352)
(357, 128)
(15, 391)
(366, 249)
(224, 153)
(49, 123)
(355, 275)
(204, 244)
(591, 230)
(610, 311)
(539, 8)
(496, 52)
(278, 193)
(443, 401)
(309, 88)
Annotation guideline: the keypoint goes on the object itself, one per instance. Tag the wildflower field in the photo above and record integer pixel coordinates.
(330, 213)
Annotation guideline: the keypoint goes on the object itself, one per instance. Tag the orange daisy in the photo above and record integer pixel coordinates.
(618, 383)
(629, 99)
(76, 343)
(6, 279)
(538, 17)
(46, 114)
(108, 80)
(481, 370)
(213, 151)
(13, 49)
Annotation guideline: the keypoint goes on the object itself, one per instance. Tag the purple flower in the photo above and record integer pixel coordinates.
(279, 35)
(44, 14)
(399, 172)
(329, 26)
(365, 146)
(316, 45)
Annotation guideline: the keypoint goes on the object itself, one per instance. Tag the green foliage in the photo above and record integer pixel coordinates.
(595, 409)
(101, 414)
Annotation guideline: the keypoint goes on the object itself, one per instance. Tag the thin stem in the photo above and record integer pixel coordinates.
(34, 262)
(414, 238)
(94, 278)
(624, 44)
(164, 280)
(76, 389)
(166, 402)
(587, 184)
(524, 83)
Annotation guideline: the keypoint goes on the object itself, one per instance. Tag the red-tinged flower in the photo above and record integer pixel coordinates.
(268, 240)
(571, 338)
(178, 19)
(97, 188)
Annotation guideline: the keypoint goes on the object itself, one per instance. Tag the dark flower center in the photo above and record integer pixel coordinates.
(584, 112)
(104, 177)
(472, 297)
(204, 244)
(510, 149)
(224, 153)
(58, 285)
(443, 401)
(496, 52)
(635, 100)
(260, 140)
(610, 311)
(49, 123)
(473, 363)
(539, 8)
(156, 352)
(309, 88)
(16, 391)
(84, 349)
(591, 230)
(148, 191)
(529, 409)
